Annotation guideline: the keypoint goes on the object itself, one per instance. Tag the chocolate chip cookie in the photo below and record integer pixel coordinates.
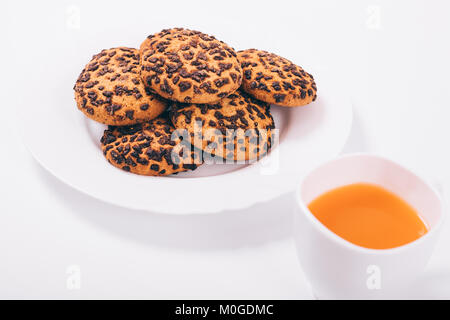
(148, 149)
(109, 89)
(274, 79)
(189, 66)
(151, 39)
(236, 128)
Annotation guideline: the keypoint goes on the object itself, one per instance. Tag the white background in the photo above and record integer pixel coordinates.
(392, 58)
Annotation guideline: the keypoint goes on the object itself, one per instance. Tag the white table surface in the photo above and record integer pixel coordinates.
(394, 59)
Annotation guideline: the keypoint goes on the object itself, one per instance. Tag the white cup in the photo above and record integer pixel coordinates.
(338, 269)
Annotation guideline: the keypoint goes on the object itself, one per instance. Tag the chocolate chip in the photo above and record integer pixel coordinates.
(279, 97)
(129, 114)
(184, 85)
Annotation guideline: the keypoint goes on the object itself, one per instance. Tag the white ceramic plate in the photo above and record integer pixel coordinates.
(67, 145)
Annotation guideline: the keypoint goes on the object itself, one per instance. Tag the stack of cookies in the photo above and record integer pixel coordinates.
(185, 97)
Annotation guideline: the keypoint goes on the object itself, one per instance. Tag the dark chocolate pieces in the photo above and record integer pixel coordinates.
(189, 66)
(146, 148)
(274, 79)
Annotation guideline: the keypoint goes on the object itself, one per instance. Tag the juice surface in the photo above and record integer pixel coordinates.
(369, 216)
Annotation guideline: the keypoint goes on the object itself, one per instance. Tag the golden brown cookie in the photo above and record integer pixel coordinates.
(109, 89)
(151, 39)
(189, 66)
(237, 127)
(148, 149)
(274, 79)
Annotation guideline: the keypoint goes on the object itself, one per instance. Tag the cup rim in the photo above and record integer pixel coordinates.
(349, 245)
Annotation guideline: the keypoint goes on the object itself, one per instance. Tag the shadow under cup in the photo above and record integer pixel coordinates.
(338, 269)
